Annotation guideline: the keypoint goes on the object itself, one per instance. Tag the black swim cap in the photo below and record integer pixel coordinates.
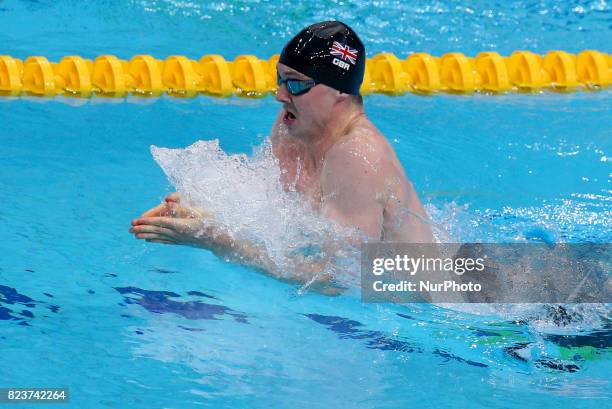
(330, 53)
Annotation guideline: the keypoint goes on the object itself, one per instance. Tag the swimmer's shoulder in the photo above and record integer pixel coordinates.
(364, 143)
(359, 157)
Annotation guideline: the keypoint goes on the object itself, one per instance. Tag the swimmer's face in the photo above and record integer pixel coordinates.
(307, 114)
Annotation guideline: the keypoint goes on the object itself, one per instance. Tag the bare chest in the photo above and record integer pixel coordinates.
(299, 173)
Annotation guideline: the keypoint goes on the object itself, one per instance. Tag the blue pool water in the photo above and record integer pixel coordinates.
(125, 324)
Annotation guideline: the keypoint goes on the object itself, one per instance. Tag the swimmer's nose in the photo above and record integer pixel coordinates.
(282, 95)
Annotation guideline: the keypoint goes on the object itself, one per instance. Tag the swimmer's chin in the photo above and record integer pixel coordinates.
(285, 129)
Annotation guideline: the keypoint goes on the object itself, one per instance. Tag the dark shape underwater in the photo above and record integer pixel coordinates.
(160, 302)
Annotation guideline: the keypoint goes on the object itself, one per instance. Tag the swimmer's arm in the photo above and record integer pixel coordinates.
(415, 224)
(172, 223)
(256, 256)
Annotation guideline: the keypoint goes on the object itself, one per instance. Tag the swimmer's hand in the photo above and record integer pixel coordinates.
(173, 223)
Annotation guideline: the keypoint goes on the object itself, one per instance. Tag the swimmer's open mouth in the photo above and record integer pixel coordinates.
(289, 118)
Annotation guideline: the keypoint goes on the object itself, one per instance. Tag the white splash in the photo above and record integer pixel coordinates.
(245, 195)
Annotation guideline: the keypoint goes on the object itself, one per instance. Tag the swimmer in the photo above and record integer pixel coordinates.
(327, 149)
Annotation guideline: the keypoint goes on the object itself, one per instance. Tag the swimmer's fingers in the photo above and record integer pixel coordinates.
(151, 236)
(173, 197)
(160, 241)
(177, 210)
(170, 223)
(170, 207)
(144, 229)
(159, 210)
(180, 231)
(156, 237)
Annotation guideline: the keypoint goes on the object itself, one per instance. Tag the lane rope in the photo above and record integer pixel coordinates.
(249, 76)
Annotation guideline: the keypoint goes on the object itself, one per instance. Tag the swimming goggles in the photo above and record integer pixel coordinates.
(295, 87)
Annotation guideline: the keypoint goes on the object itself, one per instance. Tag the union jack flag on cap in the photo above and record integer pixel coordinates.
(344, 51)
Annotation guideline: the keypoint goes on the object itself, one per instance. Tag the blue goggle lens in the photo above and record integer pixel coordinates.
(296, 87)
